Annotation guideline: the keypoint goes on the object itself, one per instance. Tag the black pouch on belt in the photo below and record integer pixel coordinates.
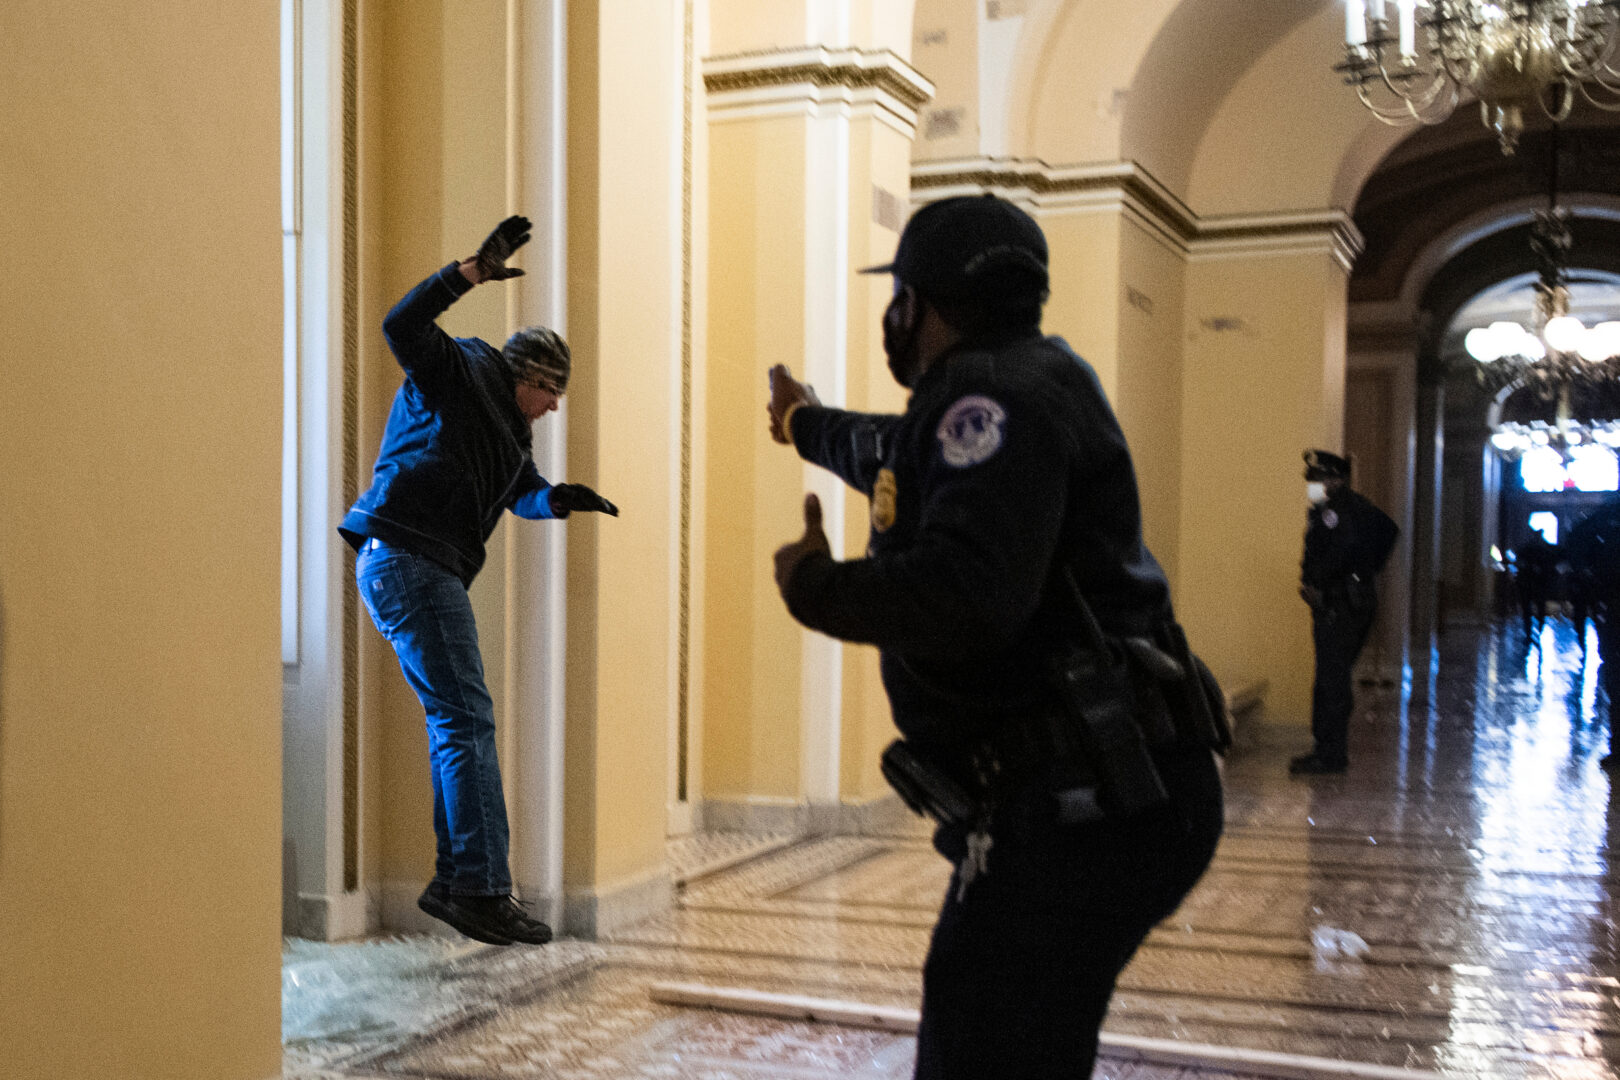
(927, 788)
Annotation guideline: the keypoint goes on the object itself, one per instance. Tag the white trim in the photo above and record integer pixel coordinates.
(312, 695)
(808, 98)
(826, 330)
(756, 813)
(340, 916)
(1125, 187)
(597, 913)
(678, 812)
(537, 552)
(796, 82)
(878, 816)
(998, 53)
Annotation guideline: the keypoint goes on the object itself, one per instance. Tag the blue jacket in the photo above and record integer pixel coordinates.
(457, 452)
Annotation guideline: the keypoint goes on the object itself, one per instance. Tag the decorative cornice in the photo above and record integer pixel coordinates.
(1050, 187)
(1126, 185)
(819, 66)
(1280, 234)
(814, 74)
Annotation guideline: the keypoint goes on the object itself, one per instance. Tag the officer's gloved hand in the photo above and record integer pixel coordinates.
(566, 498)
(508, 236)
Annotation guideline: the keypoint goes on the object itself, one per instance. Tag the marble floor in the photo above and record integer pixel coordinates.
(1447, 905)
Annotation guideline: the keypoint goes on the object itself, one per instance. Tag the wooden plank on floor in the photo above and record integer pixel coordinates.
(1256, 1063)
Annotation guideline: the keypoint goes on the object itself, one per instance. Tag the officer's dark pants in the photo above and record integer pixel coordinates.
(1020, 970)
(1609, 674)
(1339, 635)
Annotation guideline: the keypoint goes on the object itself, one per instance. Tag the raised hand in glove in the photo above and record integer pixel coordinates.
(490, 262)
(566, 498)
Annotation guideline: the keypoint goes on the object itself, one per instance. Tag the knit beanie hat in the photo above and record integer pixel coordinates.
(537, 354)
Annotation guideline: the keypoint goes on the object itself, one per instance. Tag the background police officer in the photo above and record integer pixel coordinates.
(1594, 556)
(1347, 541)
(1007, 467)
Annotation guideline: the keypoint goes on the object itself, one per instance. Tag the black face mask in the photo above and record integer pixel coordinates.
(900, 340)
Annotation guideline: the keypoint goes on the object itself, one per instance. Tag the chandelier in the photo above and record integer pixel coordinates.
(1557, 353)
(1510, 54)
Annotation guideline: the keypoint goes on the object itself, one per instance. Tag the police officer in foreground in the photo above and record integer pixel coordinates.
(1347, 542)
(1054, 723)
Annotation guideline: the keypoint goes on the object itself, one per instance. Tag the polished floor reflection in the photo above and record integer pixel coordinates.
(1447, 905)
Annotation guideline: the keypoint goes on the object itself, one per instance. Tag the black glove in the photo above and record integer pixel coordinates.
(566, 498)
(508, 236)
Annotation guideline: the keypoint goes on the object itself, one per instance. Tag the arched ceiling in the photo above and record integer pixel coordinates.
(1439, 177)
(1198, 56)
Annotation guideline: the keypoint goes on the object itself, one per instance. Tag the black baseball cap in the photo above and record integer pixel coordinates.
(970, 247)
(1326, 465)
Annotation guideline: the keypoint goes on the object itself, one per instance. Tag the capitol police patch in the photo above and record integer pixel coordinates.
(971, 431)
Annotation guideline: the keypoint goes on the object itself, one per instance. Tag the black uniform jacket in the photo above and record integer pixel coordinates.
(1007, 458)
(1346, 544)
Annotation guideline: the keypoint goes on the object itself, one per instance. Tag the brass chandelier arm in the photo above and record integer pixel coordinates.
(1504, 52)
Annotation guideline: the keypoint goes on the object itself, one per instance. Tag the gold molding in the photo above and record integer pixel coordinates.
(683, 660)
(1047, 187)
(849, 69)
(351, 436)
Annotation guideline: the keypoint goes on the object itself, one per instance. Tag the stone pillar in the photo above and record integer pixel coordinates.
(811, 116)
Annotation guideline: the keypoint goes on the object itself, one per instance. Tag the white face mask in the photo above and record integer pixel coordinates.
(1316, 492)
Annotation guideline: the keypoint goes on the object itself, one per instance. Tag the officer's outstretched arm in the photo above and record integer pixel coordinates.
(851, 445)
(993, 507)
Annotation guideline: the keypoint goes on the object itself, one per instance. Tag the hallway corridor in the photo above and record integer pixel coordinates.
(1448, 905)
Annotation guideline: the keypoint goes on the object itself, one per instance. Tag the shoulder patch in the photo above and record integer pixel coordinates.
(971, 431)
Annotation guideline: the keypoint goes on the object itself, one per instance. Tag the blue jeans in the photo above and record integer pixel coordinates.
(423, 610)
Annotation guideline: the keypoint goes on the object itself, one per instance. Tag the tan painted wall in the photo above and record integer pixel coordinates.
(737, 26)
(139, 543)
(1254, 397)
(879, 155)
(623, 319)
(1080, 79)
(945, 48)
(1099, 260)
(1148, 396)
(756, 318)
(435, 184)
(1313, 127)
(1084, 255)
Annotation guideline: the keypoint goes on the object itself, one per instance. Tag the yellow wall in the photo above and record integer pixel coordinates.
(1152, 282)
(434, 169)
(1255, 395)
(1099, 260)
(737, 26)
(624, 242)
(945, 47)
(1083, 252)
(139, 543)
(881, 155)
(1313, 123)
(1080, 79)
(756, 318)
